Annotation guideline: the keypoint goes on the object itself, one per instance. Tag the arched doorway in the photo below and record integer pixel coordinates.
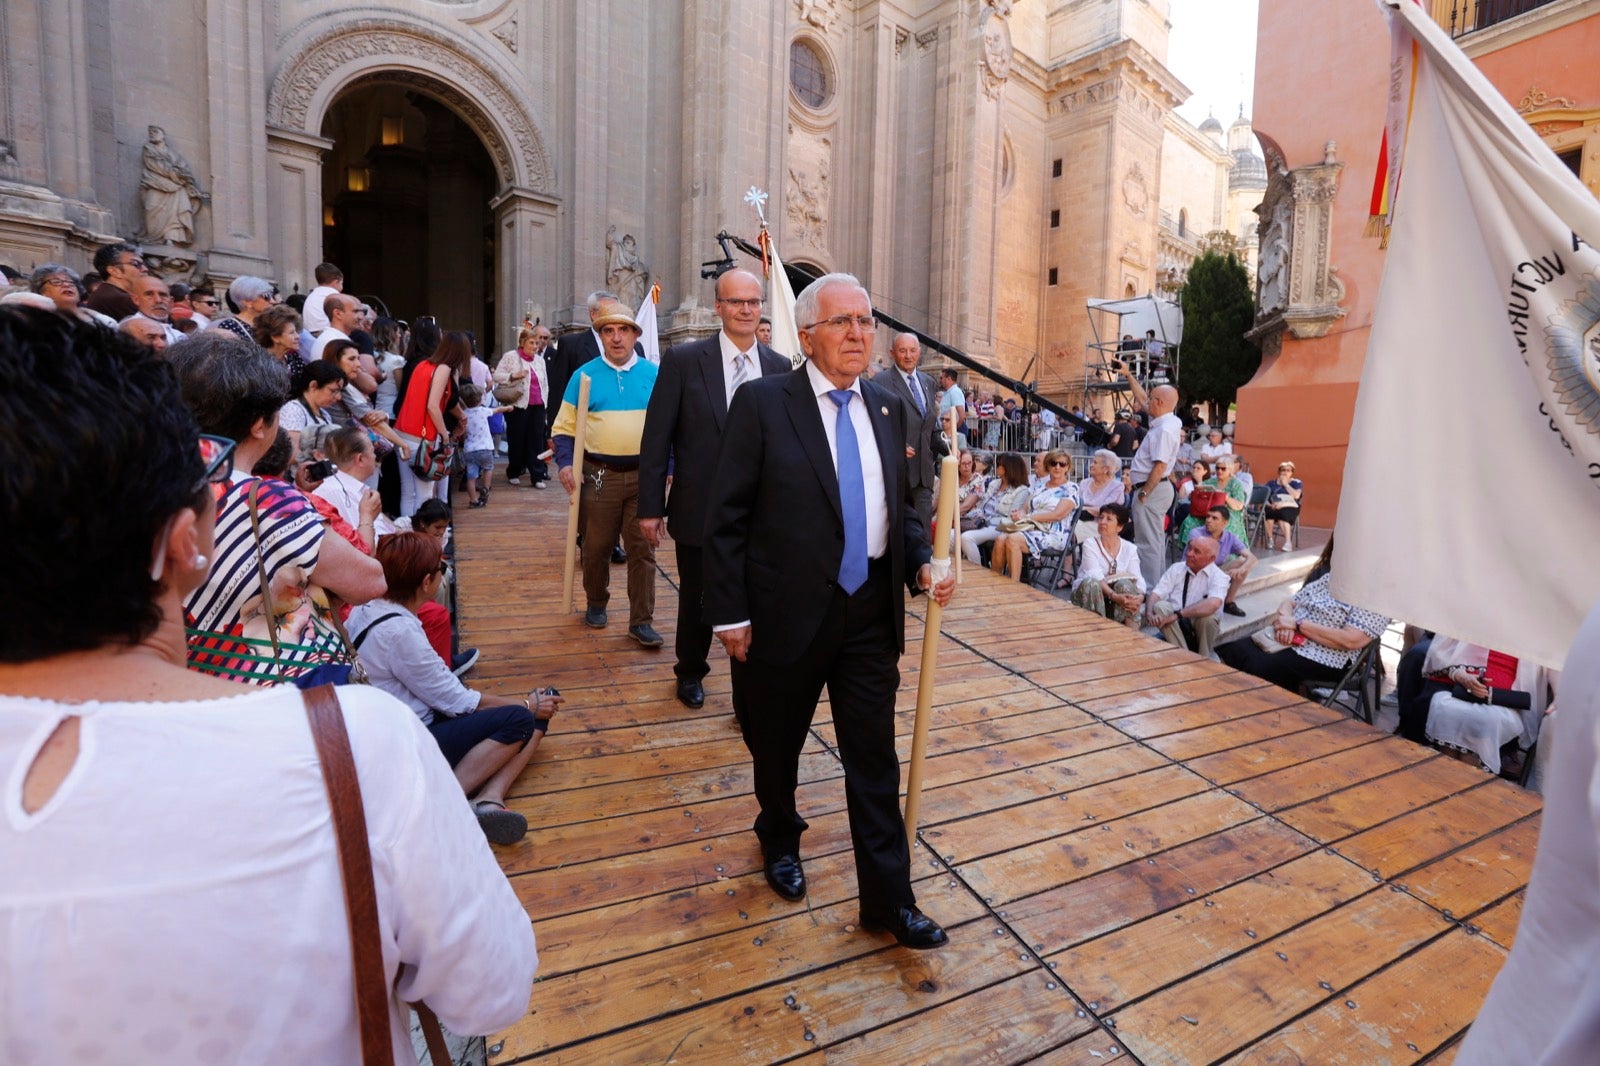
(406, 192)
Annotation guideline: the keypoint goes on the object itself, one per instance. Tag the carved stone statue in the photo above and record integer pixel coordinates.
(626, 273)
(997, 50)
(807, 200)
(169, 192)
(1274, 275)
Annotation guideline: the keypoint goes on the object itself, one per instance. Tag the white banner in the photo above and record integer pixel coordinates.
(780, 298)
(1471, 501)
(649, 335)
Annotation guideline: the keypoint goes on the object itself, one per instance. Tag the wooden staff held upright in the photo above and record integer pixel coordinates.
(577, 493)
(948, 475)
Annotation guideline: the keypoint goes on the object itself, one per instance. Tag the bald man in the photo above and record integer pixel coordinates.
(1186, 604)
(1155, 459)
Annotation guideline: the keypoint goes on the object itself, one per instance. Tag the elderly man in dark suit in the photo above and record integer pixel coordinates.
(812, 541)
(916, 391)
(682, 431)
(575, 349)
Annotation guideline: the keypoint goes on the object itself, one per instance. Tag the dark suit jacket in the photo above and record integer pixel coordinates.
(683, 427)
(774, 524)
(924, 427)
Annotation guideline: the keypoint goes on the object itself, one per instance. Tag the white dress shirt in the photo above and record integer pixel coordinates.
(1160, 445)
(730, 352)
(1208, 583)
(344, 492)
(867, 445)
(1097, 564)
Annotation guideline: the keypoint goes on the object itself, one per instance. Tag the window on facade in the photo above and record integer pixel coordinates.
(1183, 222)
(1573, 158)
(1055, 219)
(808, 74)
(1055, 168)
(1052, 275)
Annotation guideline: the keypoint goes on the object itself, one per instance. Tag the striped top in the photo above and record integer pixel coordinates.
(229, 603)
(618, 397)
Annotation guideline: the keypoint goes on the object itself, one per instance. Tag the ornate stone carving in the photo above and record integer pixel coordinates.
(901, 34)
(927, 37)
(626, 274)
(1136, 190)
(1298, 288)
(1536, 99)
(819, 13)
(506, 33)
(8, 154)
(806, 200)
(168, 192)
(483, 100)
(995, 32)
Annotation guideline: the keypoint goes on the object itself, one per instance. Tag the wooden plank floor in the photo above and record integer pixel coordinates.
(1140, 855)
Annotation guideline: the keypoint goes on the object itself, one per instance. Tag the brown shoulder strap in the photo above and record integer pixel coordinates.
(360, 891)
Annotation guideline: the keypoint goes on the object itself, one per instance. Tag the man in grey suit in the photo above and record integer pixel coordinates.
(916, 391)
(682, 432)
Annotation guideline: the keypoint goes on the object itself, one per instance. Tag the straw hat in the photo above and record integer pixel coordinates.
(617, 316)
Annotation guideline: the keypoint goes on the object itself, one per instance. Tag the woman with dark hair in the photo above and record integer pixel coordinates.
(429, 411)
(1108, 581)
(236, 391)
(317, 389)
(277, 331)
(486, 742)
(353, 405)
(1009, 492)
(216, 793)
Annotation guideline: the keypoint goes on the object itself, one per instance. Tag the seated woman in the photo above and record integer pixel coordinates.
(1224, 478)
(353, 405)
(319, 387)
(1104, 484)
(277, 331)
(1199, 472)
(1474, 699)
(1108, 581)
(1318, 637)
(1283, 505)
(1009, 492)
(487, 743)
(974, 485)
(216, 792)
(1050, 504)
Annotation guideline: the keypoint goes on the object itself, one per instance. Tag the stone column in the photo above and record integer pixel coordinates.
(236, 172)
(294, 187)
(525, 271)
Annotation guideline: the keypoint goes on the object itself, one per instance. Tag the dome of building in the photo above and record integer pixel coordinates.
(1240, 121)
(1211, 125)
(1249, 171)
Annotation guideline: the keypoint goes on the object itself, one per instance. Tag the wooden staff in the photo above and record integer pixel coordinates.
(948, 473)
(955, 526)
(577, 493)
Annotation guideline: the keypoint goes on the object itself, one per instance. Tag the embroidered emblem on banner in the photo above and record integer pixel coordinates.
(1570, 384)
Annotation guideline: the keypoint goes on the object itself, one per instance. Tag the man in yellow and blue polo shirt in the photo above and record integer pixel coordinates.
(620, 383)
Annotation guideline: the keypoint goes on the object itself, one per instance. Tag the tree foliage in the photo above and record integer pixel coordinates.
(1218, 308)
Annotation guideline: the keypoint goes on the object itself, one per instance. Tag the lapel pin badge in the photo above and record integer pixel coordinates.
(883, 411)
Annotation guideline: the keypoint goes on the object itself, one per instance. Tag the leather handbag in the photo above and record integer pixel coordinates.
(510, 392)
(360, 891)
(433, 458)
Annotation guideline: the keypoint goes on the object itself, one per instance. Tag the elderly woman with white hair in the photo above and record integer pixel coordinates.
(248, 296)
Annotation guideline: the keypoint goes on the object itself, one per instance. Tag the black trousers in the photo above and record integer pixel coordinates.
(1286, 669)
(524, 441)
(694, 635)
(854, 654)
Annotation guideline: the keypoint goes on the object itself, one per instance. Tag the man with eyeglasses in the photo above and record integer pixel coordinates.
(812, 540)
(121, 266)
(682, 433)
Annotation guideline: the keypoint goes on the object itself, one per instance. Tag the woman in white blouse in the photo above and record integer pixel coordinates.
(486, 742)
(199, 800)
(1108, 581)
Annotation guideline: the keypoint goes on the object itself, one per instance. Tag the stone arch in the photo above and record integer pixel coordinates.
(327, 61)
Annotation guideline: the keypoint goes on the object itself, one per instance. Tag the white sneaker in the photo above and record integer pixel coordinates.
(513, 481)
(541, 484)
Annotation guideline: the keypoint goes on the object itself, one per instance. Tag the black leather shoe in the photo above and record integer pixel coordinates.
(1233, 609)
(910, 927)
(691, 694)
(786, 877)
(595, 617)
(618, 555)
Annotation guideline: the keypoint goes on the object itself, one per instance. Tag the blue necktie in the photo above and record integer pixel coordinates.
(852, 495)
(916, 393)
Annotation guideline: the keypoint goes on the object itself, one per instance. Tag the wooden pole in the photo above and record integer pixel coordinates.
(948, 473)
(577, 493)
(955, 523)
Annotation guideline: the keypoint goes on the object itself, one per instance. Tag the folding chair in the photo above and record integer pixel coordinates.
(1362, 682)
(1255, 515)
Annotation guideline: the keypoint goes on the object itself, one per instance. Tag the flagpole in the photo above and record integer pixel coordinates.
(955, 523)
(948, 473)
(577, 493)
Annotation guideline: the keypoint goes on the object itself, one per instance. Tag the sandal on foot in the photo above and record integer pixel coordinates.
(498, 824)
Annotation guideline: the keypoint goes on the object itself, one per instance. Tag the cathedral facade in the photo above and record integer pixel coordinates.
(983, 165)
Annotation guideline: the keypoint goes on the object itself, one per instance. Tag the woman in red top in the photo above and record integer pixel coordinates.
(428, 410)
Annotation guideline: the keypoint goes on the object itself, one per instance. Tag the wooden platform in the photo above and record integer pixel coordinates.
(1139, 855)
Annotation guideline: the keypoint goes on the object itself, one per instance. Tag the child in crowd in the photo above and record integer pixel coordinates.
(479, 443)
